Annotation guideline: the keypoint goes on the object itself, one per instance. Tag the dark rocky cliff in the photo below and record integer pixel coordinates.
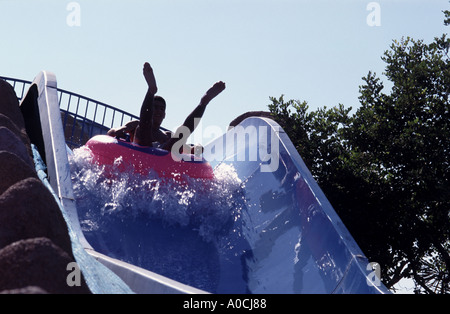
(35, 247)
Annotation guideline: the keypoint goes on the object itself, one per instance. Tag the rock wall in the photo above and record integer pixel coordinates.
(35, 247)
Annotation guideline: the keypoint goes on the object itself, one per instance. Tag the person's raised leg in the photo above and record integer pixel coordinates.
(198, 112)
(189, 125)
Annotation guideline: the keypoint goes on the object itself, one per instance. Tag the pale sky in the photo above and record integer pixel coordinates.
(315, 50)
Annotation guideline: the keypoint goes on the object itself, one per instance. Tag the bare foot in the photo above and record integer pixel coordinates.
(215, 90)
(150, 78)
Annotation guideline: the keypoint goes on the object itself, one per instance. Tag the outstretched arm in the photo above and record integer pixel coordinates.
(122, 131)
(143, 135)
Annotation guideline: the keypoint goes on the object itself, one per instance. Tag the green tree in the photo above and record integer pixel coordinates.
(385, 169)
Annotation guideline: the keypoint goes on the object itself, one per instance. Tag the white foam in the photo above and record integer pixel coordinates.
(207, 206)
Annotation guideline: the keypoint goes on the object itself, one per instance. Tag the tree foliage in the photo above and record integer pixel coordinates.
(385, 168)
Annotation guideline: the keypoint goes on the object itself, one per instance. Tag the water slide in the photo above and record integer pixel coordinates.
(263, 225)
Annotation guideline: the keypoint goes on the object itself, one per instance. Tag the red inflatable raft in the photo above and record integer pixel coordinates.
(106, 150)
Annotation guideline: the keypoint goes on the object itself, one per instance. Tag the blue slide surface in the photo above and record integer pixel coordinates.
(262, 226)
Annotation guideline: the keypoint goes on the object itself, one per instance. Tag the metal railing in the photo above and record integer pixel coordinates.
(20, 86)
(82, 117)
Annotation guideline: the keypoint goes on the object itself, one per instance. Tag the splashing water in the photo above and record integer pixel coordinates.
(173, 229)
